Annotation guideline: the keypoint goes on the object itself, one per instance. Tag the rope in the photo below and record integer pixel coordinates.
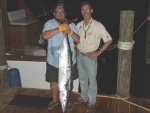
(126, 45)
(122, 98)
(115, 45)
(3, 67)
(112, 47)
(140, 25)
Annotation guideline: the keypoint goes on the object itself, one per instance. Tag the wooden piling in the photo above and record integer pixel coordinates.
(3, 62)
(125, 56)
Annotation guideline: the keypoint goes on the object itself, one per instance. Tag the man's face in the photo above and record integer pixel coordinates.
(86, 11)
(59, 13)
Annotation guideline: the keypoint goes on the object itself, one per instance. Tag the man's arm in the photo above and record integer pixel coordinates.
(50, 33)
(102, 49)
(75, 37)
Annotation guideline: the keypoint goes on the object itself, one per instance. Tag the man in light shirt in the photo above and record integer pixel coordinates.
(53, 31)
(91, 33)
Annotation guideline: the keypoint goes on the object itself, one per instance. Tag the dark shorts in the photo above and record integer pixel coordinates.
(52, 73)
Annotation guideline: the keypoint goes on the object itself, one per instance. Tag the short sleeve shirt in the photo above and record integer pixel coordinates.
(91, 35)
(55, 42)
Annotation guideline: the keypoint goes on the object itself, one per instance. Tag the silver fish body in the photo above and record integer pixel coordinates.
(64, 79)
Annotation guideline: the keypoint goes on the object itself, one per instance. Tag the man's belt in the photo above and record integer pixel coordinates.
(85, 54)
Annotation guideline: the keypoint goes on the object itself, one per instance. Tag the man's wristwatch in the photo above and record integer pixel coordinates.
(99, 52)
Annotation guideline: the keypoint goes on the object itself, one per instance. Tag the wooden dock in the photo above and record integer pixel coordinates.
(104, 104)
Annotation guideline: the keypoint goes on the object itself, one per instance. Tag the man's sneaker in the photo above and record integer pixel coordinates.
(89, 107)
(69, 107)
(79, 100)
(52, 104)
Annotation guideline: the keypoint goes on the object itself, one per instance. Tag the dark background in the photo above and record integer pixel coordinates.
(108, 13)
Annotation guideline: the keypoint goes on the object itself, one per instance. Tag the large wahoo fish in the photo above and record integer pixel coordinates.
(64, 79)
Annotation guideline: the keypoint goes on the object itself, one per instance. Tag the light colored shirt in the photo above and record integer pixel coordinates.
(91, 35)
(54, 43)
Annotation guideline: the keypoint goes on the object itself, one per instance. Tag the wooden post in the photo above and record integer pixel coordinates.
(125, 56)
(147, 52)
(3, 62)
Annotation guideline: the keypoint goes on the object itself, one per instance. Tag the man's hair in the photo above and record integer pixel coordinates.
(59, 6)
(85, 3)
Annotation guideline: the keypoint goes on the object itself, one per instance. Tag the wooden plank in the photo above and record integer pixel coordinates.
(145, 103)
(135, 109)
(19, 109)
(113, 105)
(123, 107)
(3, 92)
(44, 110)
(6, 99)
(34, 110)
(80, 108)
(104, 104)
(141, 101)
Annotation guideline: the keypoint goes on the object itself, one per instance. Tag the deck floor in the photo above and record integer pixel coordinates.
(104, 104)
